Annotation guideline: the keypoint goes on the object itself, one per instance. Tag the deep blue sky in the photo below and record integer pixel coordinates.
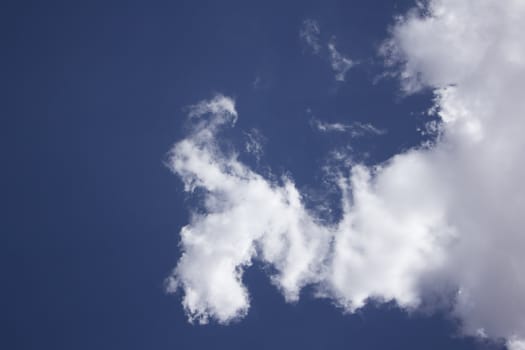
(93, 99)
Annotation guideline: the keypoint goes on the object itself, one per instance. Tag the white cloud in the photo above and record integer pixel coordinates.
(254, 143)
(471, 52)
(340, 64)
(516, 344)
(355, 129)
(221, 106)
(369, 253)
(449, 214)
(309, 33)
(244, 213)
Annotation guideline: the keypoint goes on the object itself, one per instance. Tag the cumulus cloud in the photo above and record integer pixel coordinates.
(309, 33)
(248, 217)
(472, 54)
(446, 215)
(245, 216)
(340, 64)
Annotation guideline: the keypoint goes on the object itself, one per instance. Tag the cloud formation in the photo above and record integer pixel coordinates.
(309, 33)
(446, 215)
(340, 63)
(355, 129)
(472, 54)
(254, 143)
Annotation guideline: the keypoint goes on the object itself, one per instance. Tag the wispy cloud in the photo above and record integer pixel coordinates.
(355, 129)
(254, 143)
(309, 33)
(340, 64)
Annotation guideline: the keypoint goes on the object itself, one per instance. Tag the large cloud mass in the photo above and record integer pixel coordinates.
(451, 213)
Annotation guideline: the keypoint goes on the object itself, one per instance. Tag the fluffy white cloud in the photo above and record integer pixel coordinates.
(245, 215)
(448, 214)
(379, 249)
(472, 53)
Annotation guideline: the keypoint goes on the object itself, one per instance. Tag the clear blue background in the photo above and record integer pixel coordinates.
(92, 99)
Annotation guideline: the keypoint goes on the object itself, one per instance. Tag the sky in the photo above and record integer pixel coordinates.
(264, 175)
